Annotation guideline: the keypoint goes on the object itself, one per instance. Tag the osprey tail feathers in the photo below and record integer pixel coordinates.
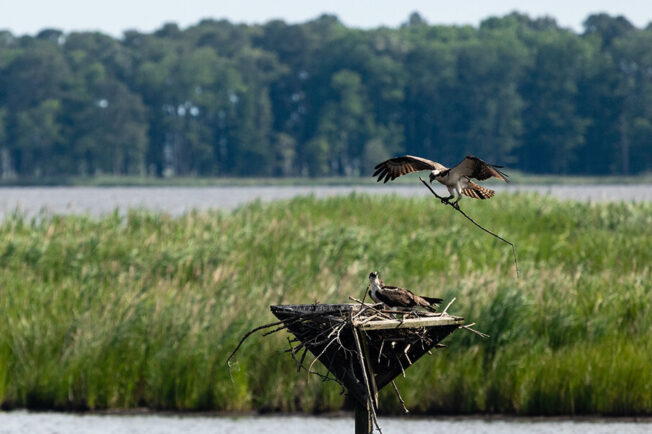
(432, 300)
(477, 191)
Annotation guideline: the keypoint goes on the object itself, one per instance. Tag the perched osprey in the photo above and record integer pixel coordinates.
(393, 296)
(457, 179)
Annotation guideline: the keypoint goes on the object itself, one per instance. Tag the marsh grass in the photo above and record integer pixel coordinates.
(142, 310)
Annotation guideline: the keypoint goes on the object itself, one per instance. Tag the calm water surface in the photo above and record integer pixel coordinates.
(178, 200)
(56, 423)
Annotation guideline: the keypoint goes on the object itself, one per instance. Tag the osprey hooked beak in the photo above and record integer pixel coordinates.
(433, 175)
(373, 275)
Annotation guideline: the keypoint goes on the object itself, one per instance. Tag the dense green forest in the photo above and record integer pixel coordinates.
(319, 98)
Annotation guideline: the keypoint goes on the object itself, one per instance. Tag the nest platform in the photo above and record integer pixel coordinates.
(362, 345)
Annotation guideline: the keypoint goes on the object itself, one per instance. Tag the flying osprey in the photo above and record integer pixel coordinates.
(393, 296)
(457, 179)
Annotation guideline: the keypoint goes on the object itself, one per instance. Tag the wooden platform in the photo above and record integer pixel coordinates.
(338, 334)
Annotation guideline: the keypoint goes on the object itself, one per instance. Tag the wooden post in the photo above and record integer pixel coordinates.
(362, 418)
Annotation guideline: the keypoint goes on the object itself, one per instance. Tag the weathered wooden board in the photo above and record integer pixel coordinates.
(434, 321)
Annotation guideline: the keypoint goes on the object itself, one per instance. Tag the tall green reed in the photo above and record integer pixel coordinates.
(143, 309)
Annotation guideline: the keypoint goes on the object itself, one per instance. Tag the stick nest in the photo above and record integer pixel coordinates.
(363, 346)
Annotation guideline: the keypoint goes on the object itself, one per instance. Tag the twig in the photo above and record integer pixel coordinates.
(326, 377)
(303, 357)
(339, 341)
(275, 330)
(448, 305)
(405, 351)
(400, 398)
(368, 319)
(380, 352)
(293, 351)
(369, 306)
(357, 300)
(320, 354)
(228, 361)
(401, 365)
(468, 327)
(365, 293)
(456, 207)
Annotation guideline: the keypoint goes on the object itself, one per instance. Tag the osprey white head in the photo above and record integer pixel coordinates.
(433, 175)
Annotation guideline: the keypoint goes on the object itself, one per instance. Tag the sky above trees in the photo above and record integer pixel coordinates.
(114, 17)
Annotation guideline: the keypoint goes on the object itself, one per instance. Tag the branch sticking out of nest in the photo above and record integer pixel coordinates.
(282, 325)
(266, 326)
(458, 209)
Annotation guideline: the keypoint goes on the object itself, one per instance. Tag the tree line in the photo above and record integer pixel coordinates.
(323, 99)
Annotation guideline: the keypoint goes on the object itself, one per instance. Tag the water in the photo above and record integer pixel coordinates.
(177, 200)
(21, 422)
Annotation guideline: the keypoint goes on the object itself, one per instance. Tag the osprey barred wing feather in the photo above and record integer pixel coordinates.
(477, 191)
(395, 167)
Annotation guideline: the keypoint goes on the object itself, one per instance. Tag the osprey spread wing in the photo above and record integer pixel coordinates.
(457, 179)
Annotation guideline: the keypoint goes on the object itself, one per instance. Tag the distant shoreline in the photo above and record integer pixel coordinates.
(343, 414)
(128, 181)
(176, 200)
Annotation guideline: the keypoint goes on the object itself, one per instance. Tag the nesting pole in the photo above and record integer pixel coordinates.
(364, 346)
(363, 423)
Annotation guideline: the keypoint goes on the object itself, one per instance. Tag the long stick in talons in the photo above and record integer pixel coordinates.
(456, 207)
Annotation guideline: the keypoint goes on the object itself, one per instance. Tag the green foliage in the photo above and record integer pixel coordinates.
(142, 310)
(314, 99)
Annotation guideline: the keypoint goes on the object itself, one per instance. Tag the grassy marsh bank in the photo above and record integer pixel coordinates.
(196, 181)
(119, 312)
